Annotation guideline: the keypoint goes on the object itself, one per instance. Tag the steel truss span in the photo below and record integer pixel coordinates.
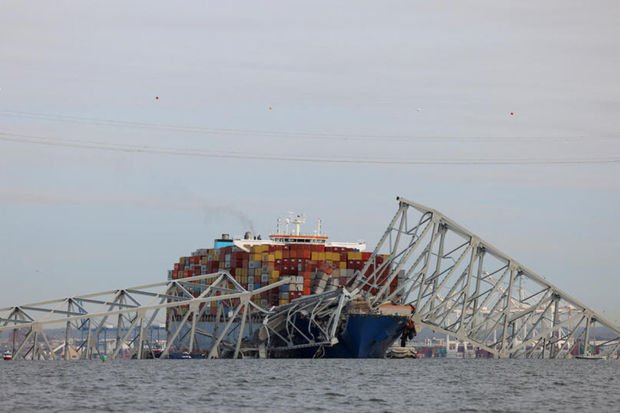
(321, 316)
(460, 285)
(119, 323)
(463, 286)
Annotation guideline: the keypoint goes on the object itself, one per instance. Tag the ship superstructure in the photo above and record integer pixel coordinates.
(310, 264)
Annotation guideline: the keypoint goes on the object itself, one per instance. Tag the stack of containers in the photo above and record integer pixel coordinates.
(306, 268)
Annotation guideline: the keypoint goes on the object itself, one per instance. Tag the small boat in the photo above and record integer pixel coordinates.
(184, 355)
(7, 355)
(590, 357)
(402, 353)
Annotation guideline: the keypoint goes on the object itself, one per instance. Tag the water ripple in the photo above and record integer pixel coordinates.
(425, 385)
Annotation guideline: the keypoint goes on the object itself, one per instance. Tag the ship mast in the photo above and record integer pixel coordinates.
(297, 220)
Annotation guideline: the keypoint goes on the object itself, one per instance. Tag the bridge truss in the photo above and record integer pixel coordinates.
(119, 323)
(460, 285)
(463, 286)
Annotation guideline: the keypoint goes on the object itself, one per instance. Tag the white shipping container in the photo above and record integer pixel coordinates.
(321, 283)
(334, 281)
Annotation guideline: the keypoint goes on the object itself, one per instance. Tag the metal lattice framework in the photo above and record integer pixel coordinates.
(463, 286)
(311, 321)
(128, 315)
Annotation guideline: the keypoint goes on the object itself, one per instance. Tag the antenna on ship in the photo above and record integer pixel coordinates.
(297, 220)
(318, 227)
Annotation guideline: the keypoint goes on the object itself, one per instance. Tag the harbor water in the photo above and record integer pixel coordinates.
(422, 385)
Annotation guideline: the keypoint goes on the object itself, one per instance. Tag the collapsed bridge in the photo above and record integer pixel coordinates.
(460, 285)
(465, 287)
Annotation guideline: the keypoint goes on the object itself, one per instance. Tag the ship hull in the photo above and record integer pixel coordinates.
(364, 336)
(367, 336)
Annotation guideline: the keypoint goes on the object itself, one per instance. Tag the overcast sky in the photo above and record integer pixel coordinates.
(328, 108)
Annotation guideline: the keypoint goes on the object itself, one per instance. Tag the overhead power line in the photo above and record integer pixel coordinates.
(258, 133)
(148, 149)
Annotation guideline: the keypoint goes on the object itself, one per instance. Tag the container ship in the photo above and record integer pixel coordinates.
(306, 265)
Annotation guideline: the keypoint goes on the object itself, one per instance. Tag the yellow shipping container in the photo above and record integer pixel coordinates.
(276, 274)
(354, 256)
(271, 257)
(261, 248)
(342, 265)
(278, 254)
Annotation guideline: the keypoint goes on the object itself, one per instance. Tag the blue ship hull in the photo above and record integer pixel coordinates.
(367, 336)
(364, 336)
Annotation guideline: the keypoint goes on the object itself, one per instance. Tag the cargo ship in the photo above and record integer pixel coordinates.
(306, 265)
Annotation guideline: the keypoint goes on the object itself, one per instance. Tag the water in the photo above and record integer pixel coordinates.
(424, 385)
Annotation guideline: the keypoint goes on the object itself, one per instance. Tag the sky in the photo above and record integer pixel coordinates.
(132, 133)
